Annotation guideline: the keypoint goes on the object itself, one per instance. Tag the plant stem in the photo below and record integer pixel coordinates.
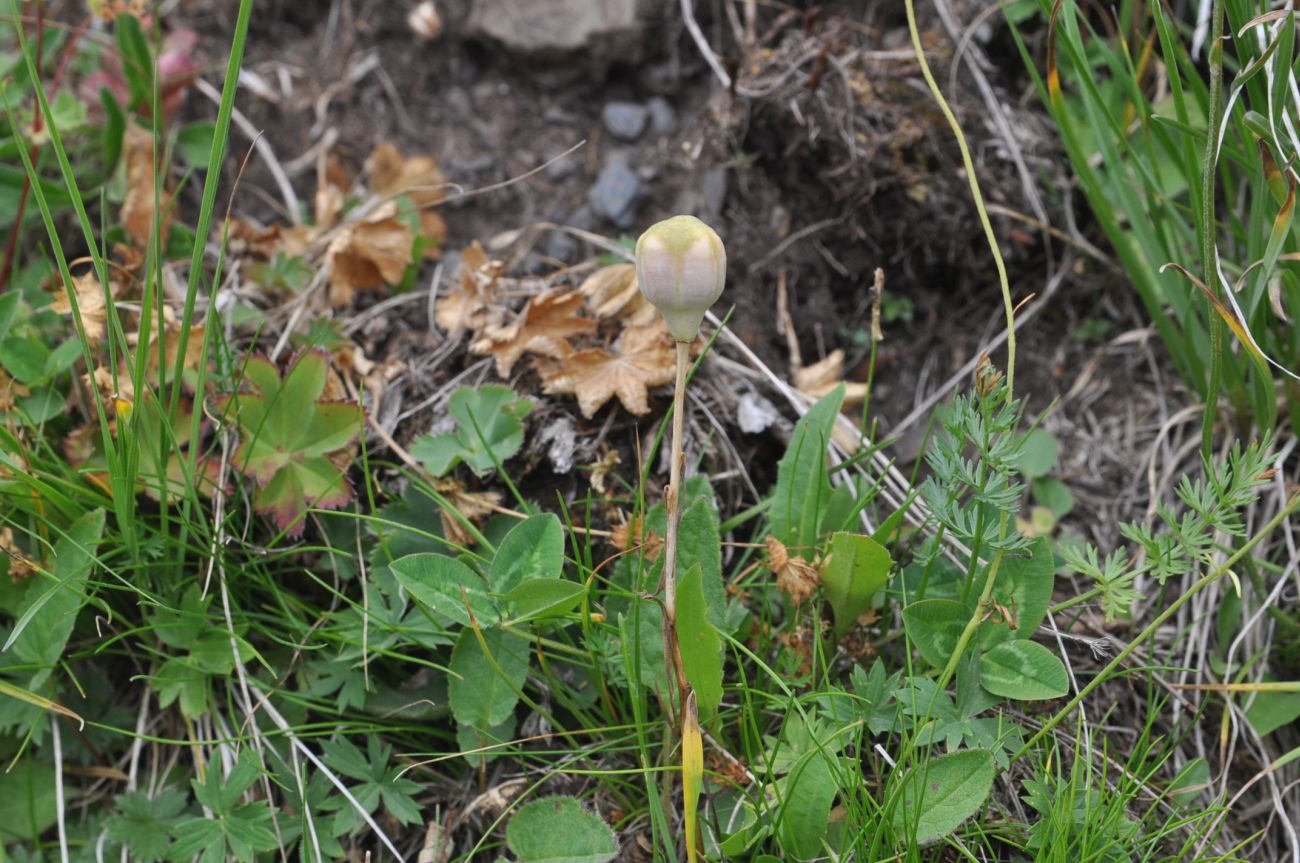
(1208, 245)
(1151, 628)
(981, 607)
(672, 654)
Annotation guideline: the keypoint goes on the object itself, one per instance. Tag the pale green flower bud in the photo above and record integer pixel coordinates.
(681, 267)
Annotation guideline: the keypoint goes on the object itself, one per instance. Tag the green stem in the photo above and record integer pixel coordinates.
(1208, 251)
(973, 179)
(981, 607)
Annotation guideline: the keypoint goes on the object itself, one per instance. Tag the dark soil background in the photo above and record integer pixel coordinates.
(827, 159)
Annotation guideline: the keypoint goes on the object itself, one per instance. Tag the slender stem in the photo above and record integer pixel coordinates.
(1143, 636)
(678, 458)
(1208, 245)
(981, 608)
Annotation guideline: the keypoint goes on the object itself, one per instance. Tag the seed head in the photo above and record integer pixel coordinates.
(681, 267)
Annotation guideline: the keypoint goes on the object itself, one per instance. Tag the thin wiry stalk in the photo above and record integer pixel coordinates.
(671, 652)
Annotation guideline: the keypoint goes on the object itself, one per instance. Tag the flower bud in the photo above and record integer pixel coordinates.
(681, 267)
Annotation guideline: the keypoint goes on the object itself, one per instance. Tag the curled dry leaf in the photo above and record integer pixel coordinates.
(265, 243)
(368, 255)
(10, 391)
(820, 378)
(420, 180)
(472, 302)
(601, 470)
(631, 533)
(645, 359)
(543, 328)
(795, 577)
(90, 303)
(473, 505)
(139, 206)
(20, 565)
(612, 291)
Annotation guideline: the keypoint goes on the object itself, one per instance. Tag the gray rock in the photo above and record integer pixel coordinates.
(617, 191)
(713, 187)
(556, 26)
(626, 120)
(663, 119)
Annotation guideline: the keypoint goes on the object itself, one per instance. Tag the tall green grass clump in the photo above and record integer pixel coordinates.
(1186, 164)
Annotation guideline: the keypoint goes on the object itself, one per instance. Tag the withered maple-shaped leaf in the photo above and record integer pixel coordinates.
(142, 202)
(420, 180)
(543, 328)
(825, 375)
(472, 303)
(292, 441)
(90, 304)
(645, 359)
(369, 256)
(613, 291)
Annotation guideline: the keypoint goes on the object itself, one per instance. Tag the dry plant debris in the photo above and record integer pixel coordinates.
(644, 359)
(544, 328)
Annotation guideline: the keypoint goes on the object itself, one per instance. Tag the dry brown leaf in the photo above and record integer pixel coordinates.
(331, 191)
(820, 378)
(645, 359)
(141, 185)
(171, 350)
(543, 328)
(20, 565)
(631, 533)
(420, 180)
(368, 256)
(417, 177)
(10, 391)
(265, 243)
(111, 393)
(90, 302)
(613, 291)
(473, 505)
(601, 470)
(795, 577)
(472, 302)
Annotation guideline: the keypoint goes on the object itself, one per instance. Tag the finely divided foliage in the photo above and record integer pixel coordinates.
(249, 612)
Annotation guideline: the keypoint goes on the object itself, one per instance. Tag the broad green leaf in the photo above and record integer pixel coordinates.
(806, 808)
(803, 488)
(194, 141)
(859, 566)
(1271, 710)
(483, 691)
(479, 746)
(699, 542)
(534, 548)
(446, 585)
(1037, 455)
(700, 644)
(1024, 588)
(489, 429)
(30, 802)
(934, 626)
(541, 598)
(1053, 494)
(559, 830)
(936, 796)
(1023, 670)
(43, 628)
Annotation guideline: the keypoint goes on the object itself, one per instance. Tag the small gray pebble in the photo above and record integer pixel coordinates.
(616, 192)
(663, 119)
(625, 120)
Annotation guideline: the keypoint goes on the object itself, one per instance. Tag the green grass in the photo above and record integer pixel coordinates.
(1131, 105)
(196, 667)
